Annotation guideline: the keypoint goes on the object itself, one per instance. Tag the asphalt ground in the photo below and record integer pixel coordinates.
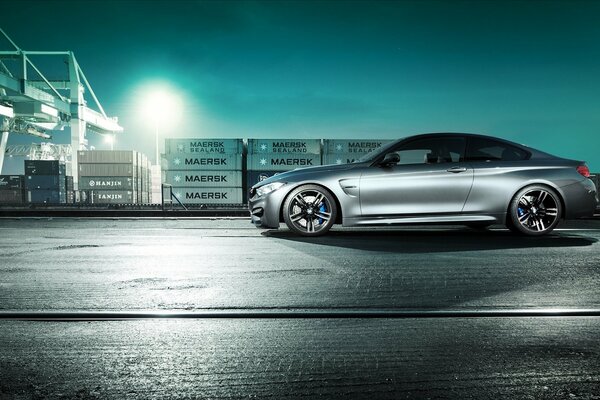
(194, 267)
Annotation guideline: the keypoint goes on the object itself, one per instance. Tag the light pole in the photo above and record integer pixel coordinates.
(162, 105)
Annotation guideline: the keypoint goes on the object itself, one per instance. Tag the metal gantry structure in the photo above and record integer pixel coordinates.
(32, 104)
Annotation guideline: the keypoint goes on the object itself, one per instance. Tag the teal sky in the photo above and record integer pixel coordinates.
(528, 71)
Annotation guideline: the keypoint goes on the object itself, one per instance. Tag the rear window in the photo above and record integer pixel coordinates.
(481, 149)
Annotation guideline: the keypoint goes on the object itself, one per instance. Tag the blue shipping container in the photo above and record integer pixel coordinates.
(47, 182)
(46, 196)
(44, 167)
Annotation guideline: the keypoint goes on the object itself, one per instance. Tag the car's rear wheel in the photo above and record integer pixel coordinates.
(535, 211)
(310, 210)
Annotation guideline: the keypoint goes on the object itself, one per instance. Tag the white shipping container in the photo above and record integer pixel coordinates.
(107, 156)
(106, 182)
(351, 146)
(106, 170)
(208, 195)
(282, 162)
(112, 197)
(203, 146)
(203, 178)
(284, 146)
(222, 162)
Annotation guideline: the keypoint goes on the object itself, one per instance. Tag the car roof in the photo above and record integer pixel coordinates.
(534, 152)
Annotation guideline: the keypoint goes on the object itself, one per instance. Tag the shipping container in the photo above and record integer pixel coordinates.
(106, 170)
(284, 146)
(282, 162)
(225, 162)
(204, 178)
(202, 146)
(254, 177)
(107, 156)
(69, 183)
(351, 146)
(11, 196)
(11, 182)
(340, 158)
(46, 182)
(112, 197)
(208, 195)
(44, 167)
(106, 182)
(41, 196)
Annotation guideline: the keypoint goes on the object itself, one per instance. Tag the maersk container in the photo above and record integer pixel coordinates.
(203, 146)
(41, 196)
(282, 162)
(340, 158)
(284, 146)
(112, 197)
(44, 167)
(222, 162)
(208, 195)
(11, 196)
(350, 146)
(45, 182)
(11, 182)
(203, 178)
(106, 170)
(106, 182)
(107, 156)
(254, 177)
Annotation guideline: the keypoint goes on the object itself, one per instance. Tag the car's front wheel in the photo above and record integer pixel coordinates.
(310, 210)
(535, 211)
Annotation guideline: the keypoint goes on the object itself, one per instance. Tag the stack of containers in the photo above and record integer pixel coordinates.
(143, 187)
(339, 151)
(45, 182)
(12, 189)
(268, 157)
(155, 184)
(204, 171)
(109, 176)
(70, 190)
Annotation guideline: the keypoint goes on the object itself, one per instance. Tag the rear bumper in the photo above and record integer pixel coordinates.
(581, 199)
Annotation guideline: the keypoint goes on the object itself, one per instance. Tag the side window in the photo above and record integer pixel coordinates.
(481, 149)
(432, 151)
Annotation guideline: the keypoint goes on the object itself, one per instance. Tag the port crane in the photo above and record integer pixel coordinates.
(32, 104)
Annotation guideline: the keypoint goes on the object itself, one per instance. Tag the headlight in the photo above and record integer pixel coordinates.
(266, 189)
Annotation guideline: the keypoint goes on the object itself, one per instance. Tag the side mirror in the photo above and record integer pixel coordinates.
(390, 159)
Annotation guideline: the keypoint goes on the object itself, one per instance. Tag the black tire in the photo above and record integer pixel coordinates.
(310, 210)
(534, 211)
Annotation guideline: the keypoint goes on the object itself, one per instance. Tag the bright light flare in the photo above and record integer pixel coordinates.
(161, 104)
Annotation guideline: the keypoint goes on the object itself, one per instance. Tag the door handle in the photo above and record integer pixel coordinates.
(456, 169)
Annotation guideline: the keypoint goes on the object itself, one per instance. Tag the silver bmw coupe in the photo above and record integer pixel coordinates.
(440, 178)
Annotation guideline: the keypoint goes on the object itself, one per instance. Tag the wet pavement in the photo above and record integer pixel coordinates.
(227, 264)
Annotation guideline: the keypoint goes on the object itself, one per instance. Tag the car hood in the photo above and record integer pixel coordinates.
(301, 172)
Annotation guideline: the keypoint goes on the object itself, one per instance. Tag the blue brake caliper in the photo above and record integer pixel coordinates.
(322, 209)
(520, 211)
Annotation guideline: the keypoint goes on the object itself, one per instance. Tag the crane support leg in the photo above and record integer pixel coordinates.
(3, 142)
(77, 143)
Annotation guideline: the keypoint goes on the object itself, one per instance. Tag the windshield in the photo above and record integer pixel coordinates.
(376, 153)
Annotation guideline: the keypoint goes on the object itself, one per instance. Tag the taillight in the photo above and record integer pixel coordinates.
(584, 170)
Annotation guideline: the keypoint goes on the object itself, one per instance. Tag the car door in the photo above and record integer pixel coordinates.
(431, 178)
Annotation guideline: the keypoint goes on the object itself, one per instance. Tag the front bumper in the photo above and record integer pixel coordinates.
(265, 211)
